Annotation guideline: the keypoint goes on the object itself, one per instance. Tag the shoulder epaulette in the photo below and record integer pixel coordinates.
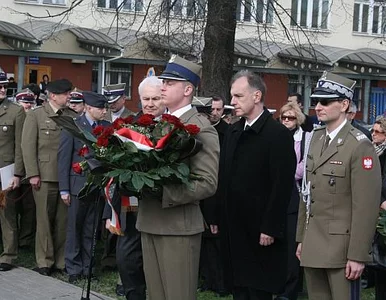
(358, 135)
(320, 128)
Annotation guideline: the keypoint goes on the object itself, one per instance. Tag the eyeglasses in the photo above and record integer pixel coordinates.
(326, 102)
(374, 131)
(3, 86)
(289, 118)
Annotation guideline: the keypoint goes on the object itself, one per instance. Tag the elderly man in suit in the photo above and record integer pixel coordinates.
(116, 98)
(40, 139)
(170, 220)
(341, 194)
(82, 213)
(257, 169)
(11, 124)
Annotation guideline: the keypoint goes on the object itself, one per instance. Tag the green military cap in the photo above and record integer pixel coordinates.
(332, 86)
(203, 104)
(181, 69)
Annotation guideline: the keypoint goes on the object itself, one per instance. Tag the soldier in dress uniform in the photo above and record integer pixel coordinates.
(81, 212)
(11, 124)
(170, 220)
(115, 94)
(341, 194)
(77, 101)
(25, 205)
(40, 138)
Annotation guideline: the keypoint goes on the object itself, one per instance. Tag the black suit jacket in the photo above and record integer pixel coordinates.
(68, 155)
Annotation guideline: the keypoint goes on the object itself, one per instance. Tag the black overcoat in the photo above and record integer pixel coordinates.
(257, 170)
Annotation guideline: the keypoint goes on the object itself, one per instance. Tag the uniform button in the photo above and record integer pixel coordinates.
(347, 231)
(313, 173)
(332, 171)
(313, 186)
(312, 201)
(311, 215)
(47, 132)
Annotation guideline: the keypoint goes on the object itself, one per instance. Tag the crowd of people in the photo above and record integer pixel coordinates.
(271, 200)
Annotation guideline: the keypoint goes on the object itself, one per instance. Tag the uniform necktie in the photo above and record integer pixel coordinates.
(94, 124)
(326, 143)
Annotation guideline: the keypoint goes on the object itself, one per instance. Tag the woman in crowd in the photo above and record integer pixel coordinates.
(378, 134)
(292, 117)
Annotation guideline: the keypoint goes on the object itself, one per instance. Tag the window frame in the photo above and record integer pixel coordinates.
(307, 20)
(361, 21)
(183, 6)
(134, 6)
(254, 14)
(41, 2)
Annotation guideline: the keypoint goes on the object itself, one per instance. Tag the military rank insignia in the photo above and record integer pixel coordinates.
(367, 162)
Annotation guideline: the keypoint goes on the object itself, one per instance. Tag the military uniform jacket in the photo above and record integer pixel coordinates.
(345, 186)
(40, 141)
(11, 125)
(178, 212)
(124, 114)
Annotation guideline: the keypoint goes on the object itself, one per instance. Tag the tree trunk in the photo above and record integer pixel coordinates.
(217, 56)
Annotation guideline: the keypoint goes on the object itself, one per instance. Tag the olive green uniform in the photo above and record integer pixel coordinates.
(40, 139)
(11, 124)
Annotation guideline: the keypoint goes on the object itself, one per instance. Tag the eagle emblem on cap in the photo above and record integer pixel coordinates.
(173, 58)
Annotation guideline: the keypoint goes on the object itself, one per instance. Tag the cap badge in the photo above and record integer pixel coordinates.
(173, 58)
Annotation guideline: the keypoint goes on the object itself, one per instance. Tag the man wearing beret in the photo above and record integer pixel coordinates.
(170, 220)
(81, 212)
(341, 194)
(11, 124)
(40, 138)
(77, 101)
(115, 94)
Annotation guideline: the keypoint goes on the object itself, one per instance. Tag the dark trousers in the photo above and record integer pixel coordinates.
(294, 273)
(80, 225)
(245, 293)
(129, 259)
(380, 284)
(108, 259)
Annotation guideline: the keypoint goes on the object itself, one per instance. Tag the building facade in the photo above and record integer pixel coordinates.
(288, 42)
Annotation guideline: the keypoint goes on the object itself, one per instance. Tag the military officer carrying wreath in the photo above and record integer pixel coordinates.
(40, 139)
(11, 124)
(341, 194)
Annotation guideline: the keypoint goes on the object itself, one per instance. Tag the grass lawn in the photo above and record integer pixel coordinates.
(108, 280)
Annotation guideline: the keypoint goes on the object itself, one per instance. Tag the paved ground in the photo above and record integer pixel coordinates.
(23, 284)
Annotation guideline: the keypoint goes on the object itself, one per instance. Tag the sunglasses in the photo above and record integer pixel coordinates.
(289, 118)
(326, 102)
(3, 86)
(377, 131)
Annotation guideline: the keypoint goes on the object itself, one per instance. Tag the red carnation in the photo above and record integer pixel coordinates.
(77, 168)
(98, 130)
(102, 142)
(128, 120)
(83, 151)
(192, 129)
(145, 120)
(118, 123)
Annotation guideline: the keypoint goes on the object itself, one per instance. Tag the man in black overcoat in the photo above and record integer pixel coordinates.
(257, 168)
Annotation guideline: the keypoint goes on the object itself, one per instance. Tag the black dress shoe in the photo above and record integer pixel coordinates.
(119, 290)
(74, 278)
(43, 271)
(4, 267)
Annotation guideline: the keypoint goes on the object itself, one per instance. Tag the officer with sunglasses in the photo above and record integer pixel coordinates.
(341, 192)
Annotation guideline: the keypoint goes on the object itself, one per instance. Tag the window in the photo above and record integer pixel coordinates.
(369, 16)
(258, 11)
(52, 2)
(185, 8)
(310, 13)
(132, 5)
